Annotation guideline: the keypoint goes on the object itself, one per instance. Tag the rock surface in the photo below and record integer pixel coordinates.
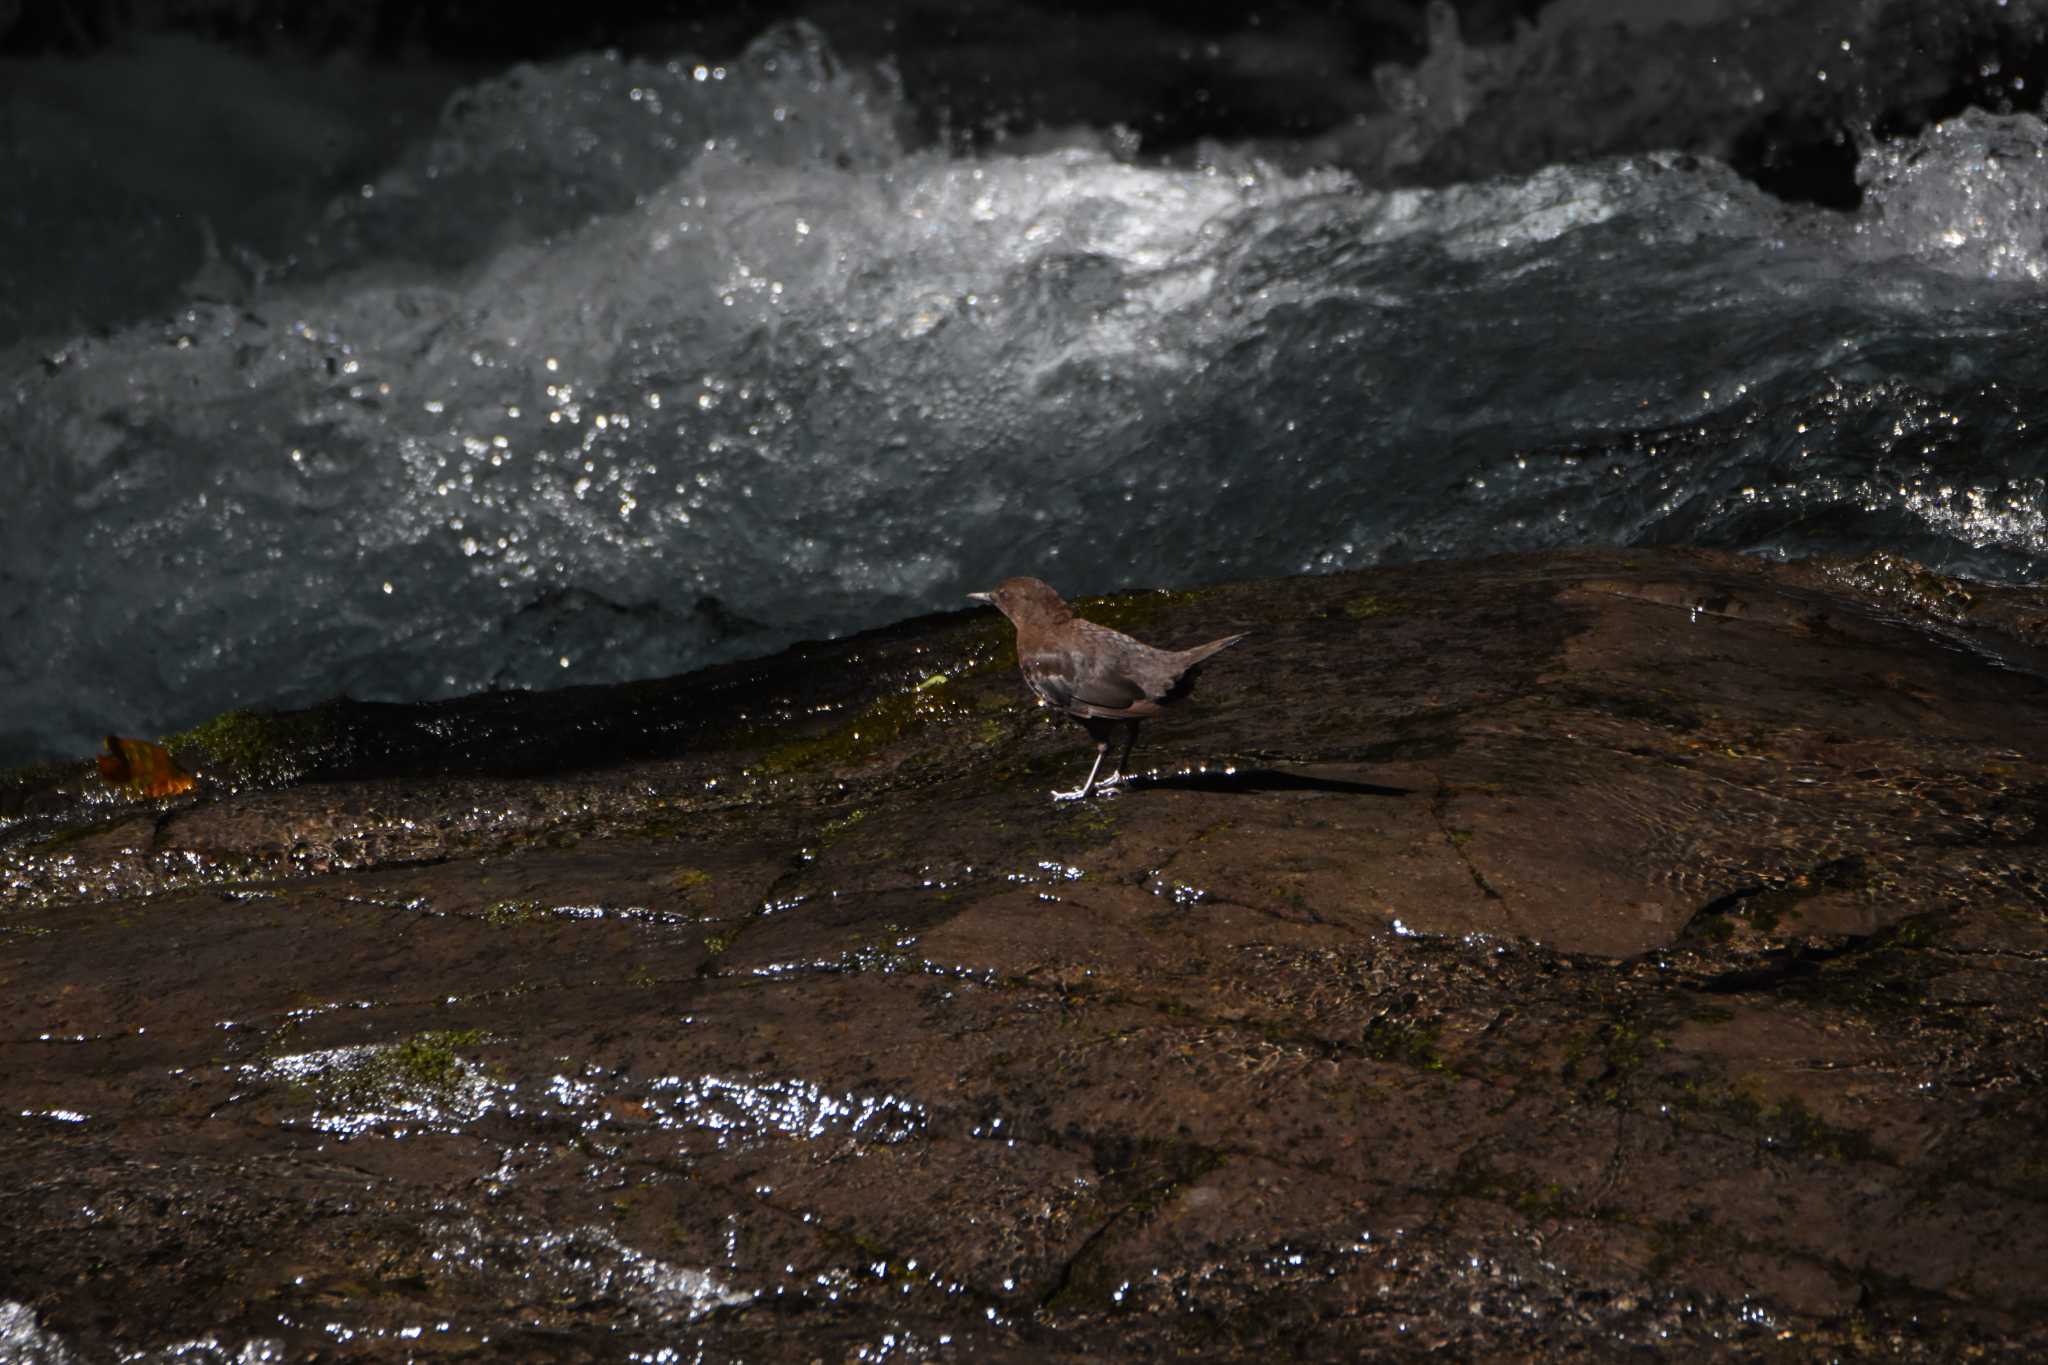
(1556, 957)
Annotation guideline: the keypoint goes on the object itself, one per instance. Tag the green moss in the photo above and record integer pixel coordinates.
(1475, 1177)
(1387, 1039)
(1627, 1047)
(686, 879)
(1884, 975)
(885, 721)
(501, 913)
(423, 1065)
(1367, 606)
(1125, 611)
(1607, 1060)
(834, 828)
(256, 746)
(1674, 1241)
(658, 821)
(1789, 1125)
(1083, 824)
(428, 1060)
(1575, 1049)
(1809, 1132)
(1917, 931)
(1550, 1200)
(1715, 928)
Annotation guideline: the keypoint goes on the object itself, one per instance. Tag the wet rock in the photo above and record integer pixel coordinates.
(1552, 956)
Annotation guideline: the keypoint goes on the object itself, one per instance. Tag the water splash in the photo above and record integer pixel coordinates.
(758, 372)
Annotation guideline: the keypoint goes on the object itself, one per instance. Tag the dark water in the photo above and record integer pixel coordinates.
(620, 365)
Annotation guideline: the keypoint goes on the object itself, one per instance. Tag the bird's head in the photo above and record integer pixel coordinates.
(1026, 600)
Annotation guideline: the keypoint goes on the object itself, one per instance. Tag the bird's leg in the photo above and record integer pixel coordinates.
(1122, 771)
(1101, 748)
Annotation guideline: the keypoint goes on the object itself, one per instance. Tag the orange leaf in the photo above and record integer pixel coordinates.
(140, 768)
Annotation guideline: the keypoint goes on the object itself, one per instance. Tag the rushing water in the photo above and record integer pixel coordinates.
(631, 365)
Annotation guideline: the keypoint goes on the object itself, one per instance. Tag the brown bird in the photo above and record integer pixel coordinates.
(1101, 677)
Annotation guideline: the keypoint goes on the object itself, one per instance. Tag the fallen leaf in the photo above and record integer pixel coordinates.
(141, 768)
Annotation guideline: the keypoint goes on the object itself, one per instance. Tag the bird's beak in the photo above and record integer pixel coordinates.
(988, 597)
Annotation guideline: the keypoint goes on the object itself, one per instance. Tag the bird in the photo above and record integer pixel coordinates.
(1101, 677)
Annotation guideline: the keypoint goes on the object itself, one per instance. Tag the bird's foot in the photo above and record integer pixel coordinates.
(1102, 788)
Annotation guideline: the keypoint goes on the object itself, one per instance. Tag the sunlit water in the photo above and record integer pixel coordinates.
(635, 366)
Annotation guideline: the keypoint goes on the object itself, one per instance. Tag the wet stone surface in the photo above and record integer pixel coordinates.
(1547, 957)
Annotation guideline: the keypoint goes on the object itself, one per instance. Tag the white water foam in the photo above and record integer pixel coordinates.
(635, 366)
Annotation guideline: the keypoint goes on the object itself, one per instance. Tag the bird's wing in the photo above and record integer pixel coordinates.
(1098, 672)
(1086, 682)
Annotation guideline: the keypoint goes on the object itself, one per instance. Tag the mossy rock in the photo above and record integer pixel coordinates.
(265, 748)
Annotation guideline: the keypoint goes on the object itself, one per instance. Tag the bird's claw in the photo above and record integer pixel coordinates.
(1106, 787)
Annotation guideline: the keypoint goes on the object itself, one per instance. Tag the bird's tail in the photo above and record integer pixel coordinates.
(1190, 661)
(1191, 657)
